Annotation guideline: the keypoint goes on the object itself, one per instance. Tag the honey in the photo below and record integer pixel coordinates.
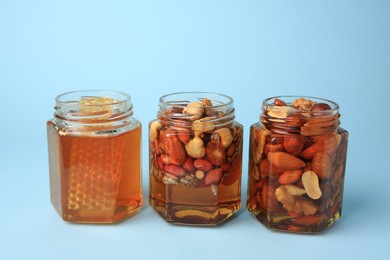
(94, 159)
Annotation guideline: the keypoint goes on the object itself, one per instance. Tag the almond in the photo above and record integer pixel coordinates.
(293, 144)
(189, 166)
(328, 145)
(274, 148)
(275, 139)
(213, 177)
(226, 167)
(160, 163)
(175, 170)
(285, 161)
(230, 150)
(184, 135)
(321, 164)
(289, 177)
(172, 146)
(266, 168)
(203, 165)
(216, 153)
(279, 102)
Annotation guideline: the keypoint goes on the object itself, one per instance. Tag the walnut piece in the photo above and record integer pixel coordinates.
(291, 198)
(303, 104)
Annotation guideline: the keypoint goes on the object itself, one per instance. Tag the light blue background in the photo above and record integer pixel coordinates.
(249, 50)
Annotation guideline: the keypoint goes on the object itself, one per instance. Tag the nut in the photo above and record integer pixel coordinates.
(289, 177)
(279, 112)
(226, 167)
(274, 148)
(195, 147)
(172, 146)
(188, 165)
(153, 130)
(184, 135)
(207, 104)
(321, 164)
(290, 197)
(216, 153)
(203, 165)
(195, 109)
(293, 144)
(324, 145)
(279, 102)
(285, 161)
(199, 174)
(303, 104)
(175, 170)
(320, 107)
(160, 163)
(213, 177)
(225, 135)
(203, 125)
(311, 183)
(230, 150)
(267, 169)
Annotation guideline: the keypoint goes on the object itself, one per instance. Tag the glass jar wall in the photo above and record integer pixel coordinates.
(297, 162)
(94, 147)
(195, 149)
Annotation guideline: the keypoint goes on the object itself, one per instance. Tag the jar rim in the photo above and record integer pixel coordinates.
(202, 94)
(75, 96)
(334, 106)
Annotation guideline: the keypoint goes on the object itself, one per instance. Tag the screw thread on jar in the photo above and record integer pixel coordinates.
(300, 115)
(93, 110)
(179, 110)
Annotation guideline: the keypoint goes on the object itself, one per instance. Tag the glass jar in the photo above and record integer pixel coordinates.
(94, 157)
(297, 162)
(195, 150)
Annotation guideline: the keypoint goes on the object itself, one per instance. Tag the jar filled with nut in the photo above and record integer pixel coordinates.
(195, 151)
(297, 164)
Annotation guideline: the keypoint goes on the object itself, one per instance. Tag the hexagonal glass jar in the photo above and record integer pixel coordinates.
(297, 162)
(195, 149)
(94, 145)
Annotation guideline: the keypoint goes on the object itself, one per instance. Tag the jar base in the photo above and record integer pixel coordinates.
(286, 223)
(93, 216)
(195, 215)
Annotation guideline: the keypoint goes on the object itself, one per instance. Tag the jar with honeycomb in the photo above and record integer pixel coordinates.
(297, 162)
(195, 152)
(94, 145)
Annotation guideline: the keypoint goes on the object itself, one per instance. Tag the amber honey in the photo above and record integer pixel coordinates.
(94, 171)
(198, 205)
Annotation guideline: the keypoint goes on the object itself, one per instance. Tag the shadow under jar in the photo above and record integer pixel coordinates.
(297, 162)
(94, 157)
(195, 150)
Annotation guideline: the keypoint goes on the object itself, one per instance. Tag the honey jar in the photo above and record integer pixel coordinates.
(297, 162)
(195, 152)
(94, 145)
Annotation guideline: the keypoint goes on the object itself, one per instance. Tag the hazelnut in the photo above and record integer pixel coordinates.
(195, 147)
(195, 109)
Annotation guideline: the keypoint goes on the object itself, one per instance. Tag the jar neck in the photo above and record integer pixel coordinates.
(181, 110)
(90, 110)
(300, 115)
